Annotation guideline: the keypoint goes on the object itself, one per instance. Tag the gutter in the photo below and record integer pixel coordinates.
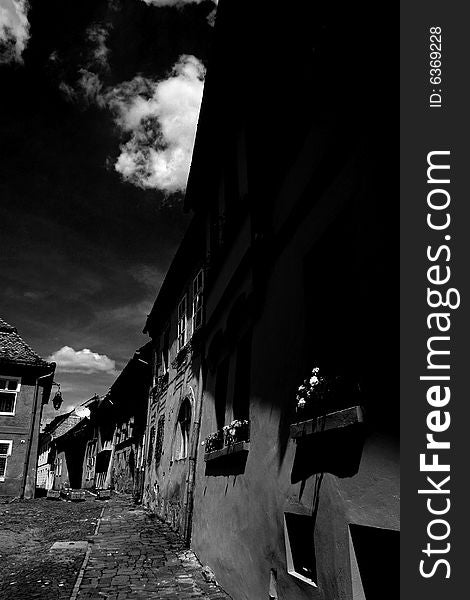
(193, 456)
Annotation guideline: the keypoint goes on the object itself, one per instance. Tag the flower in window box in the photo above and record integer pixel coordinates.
(214, 441)
(319, 394)
(237, 431)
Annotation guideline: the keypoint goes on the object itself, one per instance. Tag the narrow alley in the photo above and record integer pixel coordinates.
(134, 555)
(123, 552)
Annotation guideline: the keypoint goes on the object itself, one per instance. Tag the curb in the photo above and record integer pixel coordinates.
(81, 573)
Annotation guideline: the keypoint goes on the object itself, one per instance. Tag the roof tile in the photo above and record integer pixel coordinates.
(13, 349)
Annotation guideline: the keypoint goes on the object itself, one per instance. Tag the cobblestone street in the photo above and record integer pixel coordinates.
(134, 555)
(28, 529)
(129, 554)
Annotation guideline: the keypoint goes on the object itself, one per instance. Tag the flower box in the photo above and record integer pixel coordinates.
(231, 436)
(333, 420)
(226, 450)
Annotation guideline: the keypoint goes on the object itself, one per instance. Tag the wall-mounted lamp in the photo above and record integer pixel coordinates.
(57, 400)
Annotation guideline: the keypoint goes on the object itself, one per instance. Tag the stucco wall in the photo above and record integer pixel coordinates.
(165, 489)
(17, 429)
(238, 523)
(124, 468)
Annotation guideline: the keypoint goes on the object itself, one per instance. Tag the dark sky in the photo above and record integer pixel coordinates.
(83, 247)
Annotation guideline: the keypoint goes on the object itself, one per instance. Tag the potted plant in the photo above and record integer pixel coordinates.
(320, 394)
(214, 441)
(237, 431)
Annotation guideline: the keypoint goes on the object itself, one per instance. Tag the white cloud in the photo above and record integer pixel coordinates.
(161, 118)
(14, 30)
(82, 361)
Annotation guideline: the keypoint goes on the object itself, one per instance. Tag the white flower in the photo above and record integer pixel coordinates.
(314, 380)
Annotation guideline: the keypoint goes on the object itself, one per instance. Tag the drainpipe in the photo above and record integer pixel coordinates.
(31, 435)
(145, 445)
(193, 456)
(139, 492)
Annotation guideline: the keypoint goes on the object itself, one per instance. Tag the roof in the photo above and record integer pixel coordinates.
(190, 254)
(52, 425)
(14, 350)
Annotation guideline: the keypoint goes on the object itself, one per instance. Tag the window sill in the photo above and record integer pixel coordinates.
(7, 414)
(302, 578)
(328, 422)
(232, 449)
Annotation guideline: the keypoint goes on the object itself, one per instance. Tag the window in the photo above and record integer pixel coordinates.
(182, 310)
(369, 568)
(165, 351)
(90, 459)
(150, 448)
(159, 440)
(5, 452)
(182, 430)
(198, 284)
(300, 549)
(157, 358)
(9, 388)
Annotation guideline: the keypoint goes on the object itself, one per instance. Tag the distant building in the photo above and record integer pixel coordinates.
(25, 385)
(46, 455)
(273, 439)
(121, 417)
(62, 447)
(107, 448)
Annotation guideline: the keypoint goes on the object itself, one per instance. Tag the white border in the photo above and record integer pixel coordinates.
(10, 443)
(290, 561)
(16, 392)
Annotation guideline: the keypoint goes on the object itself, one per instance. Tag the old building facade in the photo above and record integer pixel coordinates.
(121, 417)
(25, 386)
(176, 328)
(62, 447)
(281, 406)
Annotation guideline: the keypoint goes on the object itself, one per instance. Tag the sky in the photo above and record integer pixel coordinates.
(98, 111)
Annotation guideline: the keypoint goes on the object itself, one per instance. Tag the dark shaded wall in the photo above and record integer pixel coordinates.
(319, 301)
(313, 244)
(71, 453)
